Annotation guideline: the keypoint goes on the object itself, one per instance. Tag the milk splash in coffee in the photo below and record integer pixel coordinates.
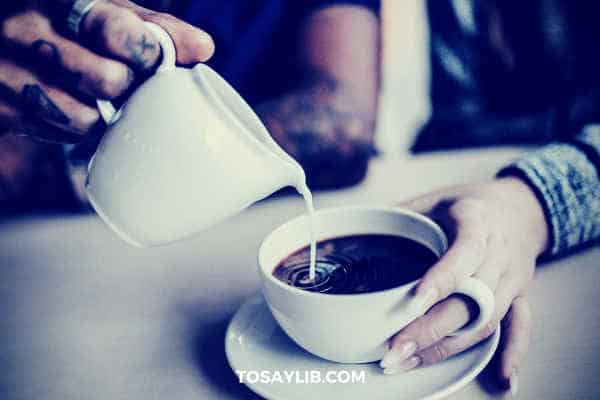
(360, 263)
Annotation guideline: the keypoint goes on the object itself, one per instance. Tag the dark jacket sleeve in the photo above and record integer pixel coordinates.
(478, 97)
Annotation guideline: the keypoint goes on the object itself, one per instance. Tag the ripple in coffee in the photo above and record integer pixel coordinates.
(357, 264)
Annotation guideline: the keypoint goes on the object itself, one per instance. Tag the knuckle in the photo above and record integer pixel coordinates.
(431, 331)
(468, 207)
(487, 331)
(125, 35)
(88, 117)
(117, 25)
(7, 28)
(24, 25)
(111, 24)
(419, 331)
(82, 118)
(476, 240)
(165, 17)
(440, 352)
(445, 279)
(113, 81)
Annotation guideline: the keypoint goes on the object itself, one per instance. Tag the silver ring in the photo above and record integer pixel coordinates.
(78, 12)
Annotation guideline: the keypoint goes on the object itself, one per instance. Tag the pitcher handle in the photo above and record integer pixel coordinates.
(107, 110)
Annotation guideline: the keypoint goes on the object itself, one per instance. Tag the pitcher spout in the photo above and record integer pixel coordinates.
(249, 128)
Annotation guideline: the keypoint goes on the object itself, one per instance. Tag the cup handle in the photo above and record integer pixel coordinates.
(107, 110)
(483, 296)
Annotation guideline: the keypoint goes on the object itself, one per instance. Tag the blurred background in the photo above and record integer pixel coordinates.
(404, 97)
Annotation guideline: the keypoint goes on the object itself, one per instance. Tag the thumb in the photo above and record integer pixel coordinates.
(193, 44)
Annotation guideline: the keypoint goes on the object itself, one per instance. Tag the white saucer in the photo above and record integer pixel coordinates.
(254, 342)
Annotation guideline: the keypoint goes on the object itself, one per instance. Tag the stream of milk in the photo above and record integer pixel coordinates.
(308, 200)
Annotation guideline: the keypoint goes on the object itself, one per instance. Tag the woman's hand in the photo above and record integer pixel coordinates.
(50, 78)
(497, 230)
(320, 126)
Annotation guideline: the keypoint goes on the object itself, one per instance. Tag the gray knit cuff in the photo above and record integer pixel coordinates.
(566, 184)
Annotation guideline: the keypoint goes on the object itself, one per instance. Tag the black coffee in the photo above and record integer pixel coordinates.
(357, 264)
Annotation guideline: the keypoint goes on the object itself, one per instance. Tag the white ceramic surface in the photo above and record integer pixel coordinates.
(254, 342)
(321, 323)
(184, 153)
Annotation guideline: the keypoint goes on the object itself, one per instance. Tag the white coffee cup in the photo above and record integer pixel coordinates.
(183, 154)
(354, 328)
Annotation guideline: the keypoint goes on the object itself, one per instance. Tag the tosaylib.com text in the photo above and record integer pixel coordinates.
(301, 377)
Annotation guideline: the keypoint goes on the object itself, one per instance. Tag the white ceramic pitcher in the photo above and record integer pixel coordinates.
(183, 154)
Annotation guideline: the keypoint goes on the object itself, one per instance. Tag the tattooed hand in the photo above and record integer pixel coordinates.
(49, 79)
(321, 127)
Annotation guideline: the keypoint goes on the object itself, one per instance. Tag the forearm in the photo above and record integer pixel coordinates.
(327, 121)
(565, 178)
(342, 41)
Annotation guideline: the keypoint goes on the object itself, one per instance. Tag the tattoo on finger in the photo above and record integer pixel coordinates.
(36, 102)
(63, 76)
(138, 50)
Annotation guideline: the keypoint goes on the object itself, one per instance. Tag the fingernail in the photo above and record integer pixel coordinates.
(427, 299)
(204, 37)
(513, 382)
(397, 354)
(404, 366)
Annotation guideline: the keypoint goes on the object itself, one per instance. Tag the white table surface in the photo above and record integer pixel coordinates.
(85, 316)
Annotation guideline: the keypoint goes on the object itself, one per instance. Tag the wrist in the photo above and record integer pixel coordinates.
(519, 194)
